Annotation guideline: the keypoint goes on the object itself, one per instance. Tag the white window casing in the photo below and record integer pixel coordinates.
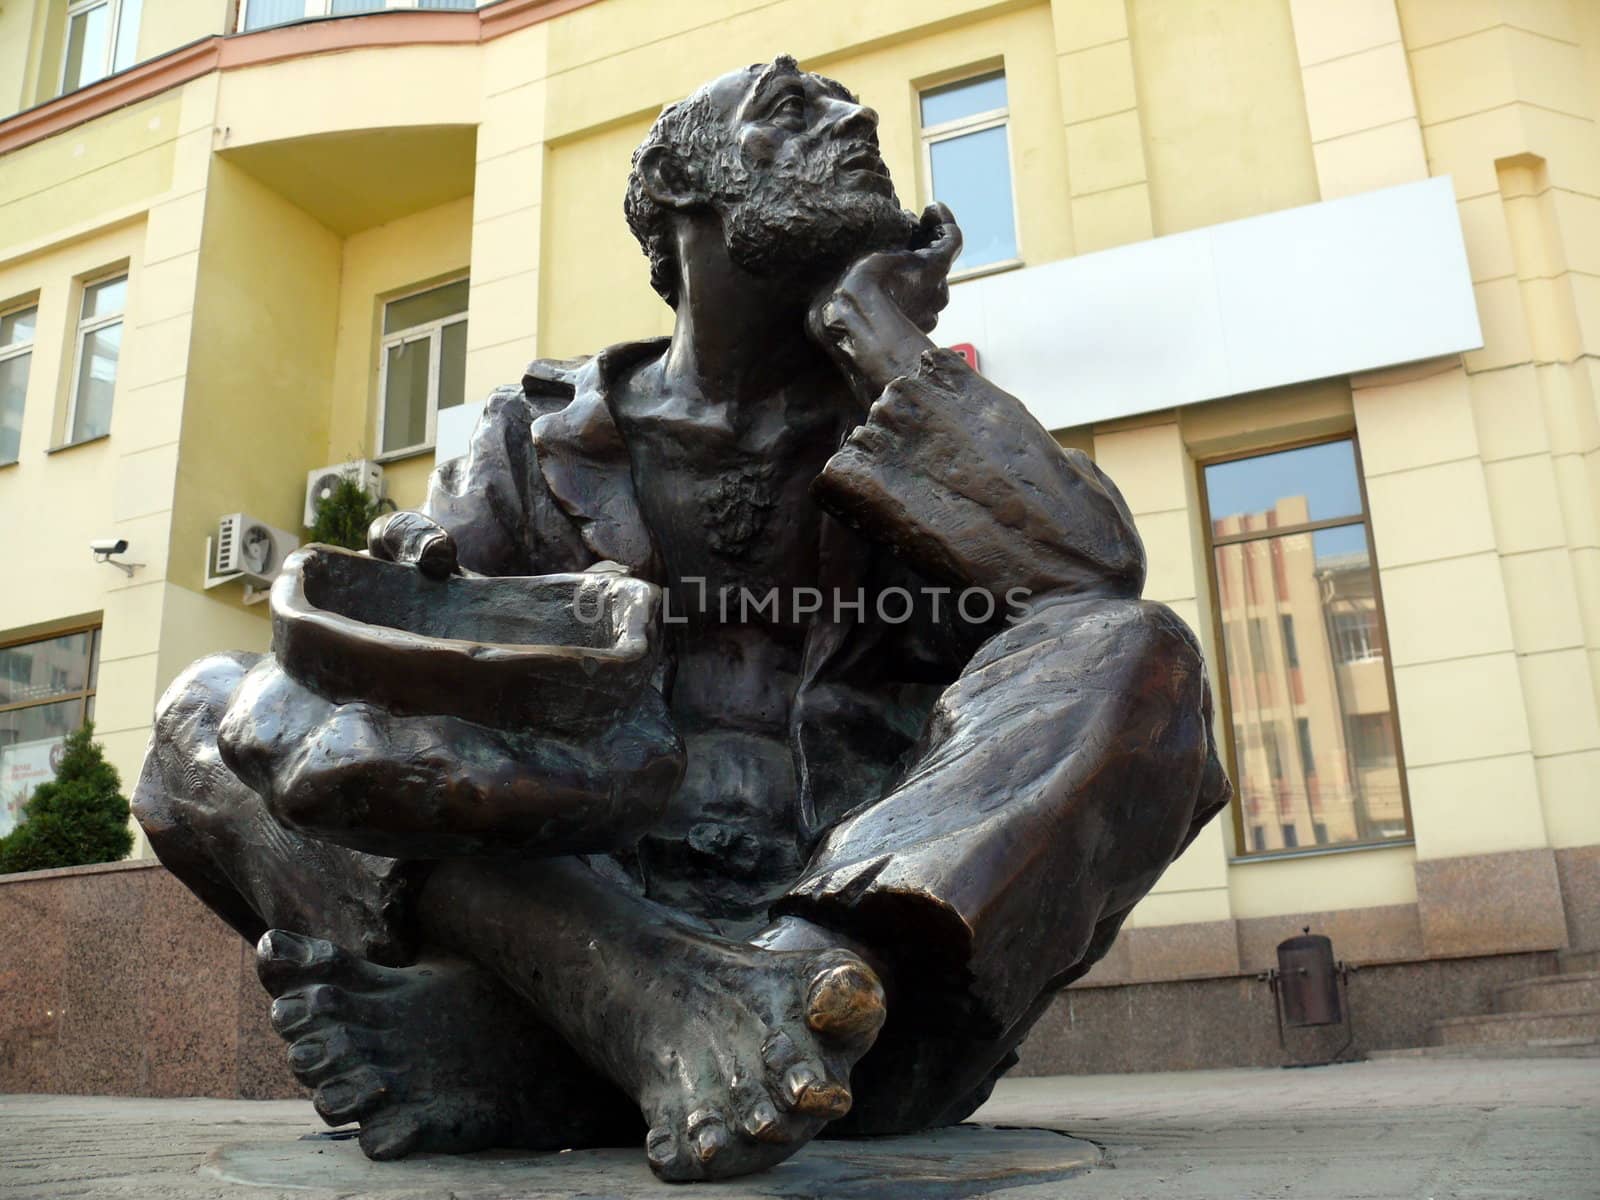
(16, 355)
(114, 49)
(87, 327)
(964, 126)
(432, 333)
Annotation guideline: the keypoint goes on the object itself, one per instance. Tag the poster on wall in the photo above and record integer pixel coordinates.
(23, 767)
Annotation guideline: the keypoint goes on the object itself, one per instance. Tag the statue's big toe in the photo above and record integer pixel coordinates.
(845, 1001)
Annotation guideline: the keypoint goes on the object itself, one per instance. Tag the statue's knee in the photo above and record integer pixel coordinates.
(182, 769)
(200, 693)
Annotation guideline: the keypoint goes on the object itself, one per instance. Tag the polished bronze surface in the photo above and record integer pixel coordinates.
(747, 738)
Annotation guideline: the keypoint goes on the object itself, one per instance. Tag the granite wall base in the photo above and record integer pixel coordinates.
(114, 980)
(1230, 1022)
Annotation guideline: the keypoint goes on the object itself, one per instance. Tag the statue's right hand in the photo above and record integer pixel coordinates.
(410, 537)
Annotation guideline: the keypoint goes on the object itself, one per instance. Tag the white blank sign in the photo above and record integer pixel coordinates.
(1347, 285)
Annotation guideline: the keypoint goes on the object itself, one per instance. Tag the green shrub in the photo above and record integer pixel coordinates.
(343, 516)
(81, 816)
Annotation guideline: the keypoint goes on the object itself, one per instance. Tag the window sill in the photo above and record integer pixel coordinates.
(99, 437)
(1240, 860)
(994, 268)
(394, 456)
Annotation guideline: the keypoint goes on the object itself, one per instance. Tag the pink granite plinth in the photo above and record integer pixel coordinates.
(117, 981)
(1490, 904)
(1578, 868)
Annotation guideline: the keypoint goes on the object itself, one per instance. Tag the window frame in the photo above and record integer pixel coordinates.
(1225, 715)
(80, 332)
(930, 135)
(85, 696)
(113, 35)
(24, 349)
(317, 10)
(433, 331)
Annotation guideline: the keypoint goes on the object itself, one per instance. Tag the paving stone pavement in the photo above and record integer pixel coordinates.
(1419, 1130)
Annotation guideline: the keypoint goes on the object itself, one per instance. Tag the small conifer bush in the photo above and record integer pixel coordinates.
(81, 816)
(343, 516)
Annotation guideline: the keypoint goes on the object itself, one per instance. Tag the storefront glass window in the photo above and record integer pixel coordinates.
(1315, 751)
(46, 692)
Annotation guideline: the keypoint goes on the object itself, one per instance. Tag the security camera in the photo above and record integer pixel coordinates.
(106, 550)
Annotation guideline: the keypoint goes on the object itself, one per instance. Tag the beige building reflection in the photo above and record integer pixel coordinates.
(1316, 754)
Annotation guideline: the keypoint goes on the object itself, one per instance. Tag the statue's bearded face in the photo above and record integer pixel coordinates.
(797, 179)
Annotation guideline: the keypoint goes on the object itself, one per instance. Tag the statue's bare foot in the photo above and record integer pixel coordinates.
(435, 1057)
(743, 1054)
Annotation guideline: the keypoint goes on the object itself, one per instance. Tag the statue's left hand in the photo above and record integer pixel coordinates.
(413, 537)
(874, 319)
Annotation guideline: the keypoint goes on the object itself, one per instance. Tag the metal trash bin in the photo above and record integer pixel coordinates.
(1306, 988)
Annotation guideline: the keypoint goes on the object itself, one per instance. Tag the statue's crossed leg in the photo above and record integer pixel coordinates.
(735, 1054)
(1080, 723)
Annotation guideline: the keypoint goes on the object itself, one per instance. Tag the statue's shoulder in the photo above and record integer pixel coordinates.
(553, 378)
(561, 379)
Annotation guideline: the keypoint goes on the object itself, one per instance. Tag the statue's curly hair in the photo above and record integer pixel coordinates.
(687, 130)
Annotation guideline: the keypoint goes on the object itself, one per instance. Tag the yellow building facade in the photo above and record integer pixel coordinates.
(1407, 648)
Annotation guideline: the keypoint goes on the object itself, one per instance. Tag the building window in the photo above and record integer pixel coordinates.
(424, 365)
(102, 37)
(967, 156)
(258, 14)
(94, 371)
(1291, 557)
(16, 356)
(46, 692)
(1355, 635)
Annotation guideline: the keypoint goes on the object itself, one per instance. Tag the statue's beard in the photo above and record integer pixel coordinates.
(803, 224)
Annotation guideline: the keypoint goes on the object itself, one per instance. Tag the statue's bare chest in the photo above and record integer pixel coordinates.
(730, 512)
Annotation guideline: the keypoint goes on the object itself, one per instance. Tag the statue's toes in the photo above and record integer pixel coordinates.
(664, 1149)
(329, 1051)
(392, 1133)
(800, 1083)
(707, 1138)
(844, 1002)
(761, 1121)
(698, 1146)
(353, 1096)
(285, 960)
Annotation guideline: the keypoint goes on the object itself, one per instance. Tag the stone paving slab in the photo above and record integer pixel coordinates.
(1398, 1130)
(947, 1164)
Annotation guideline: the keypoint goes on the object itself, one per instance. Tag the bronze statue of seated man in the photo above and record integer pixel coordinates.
(914, 747)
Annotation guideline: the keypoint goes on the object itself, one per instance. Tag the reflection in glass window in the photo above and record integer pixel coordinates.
(16, 358)
(967, 147)
(424, 365)
(46, 692)
(1315, 745)
(259, 14)
(94, 381)
(1291, 487)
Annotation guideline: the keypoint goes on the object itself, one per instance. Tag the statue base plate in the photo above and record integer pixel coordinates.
(945, 1164)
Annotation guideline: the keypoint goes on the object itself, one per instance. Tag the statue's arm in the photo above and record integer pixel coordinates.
(961, 480)
(947, 469)
(487, 511)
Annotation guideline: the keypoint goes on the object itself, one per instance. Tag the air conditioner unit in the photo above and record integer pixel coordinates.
(321, 482)
(251, 548)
